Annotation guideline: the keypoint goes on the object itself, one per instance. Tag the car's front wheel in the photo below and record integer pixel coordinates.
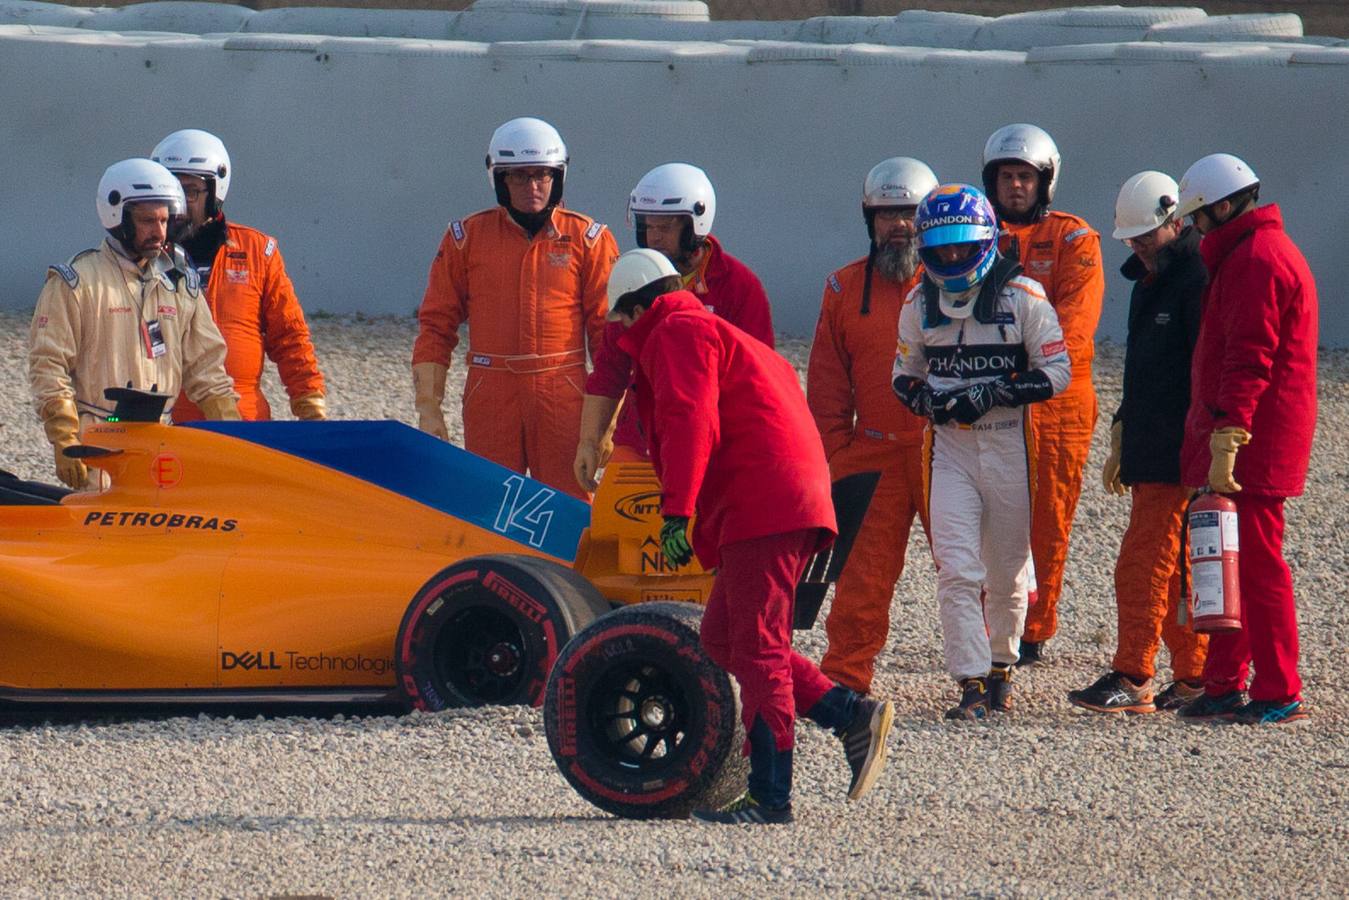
(640, 721)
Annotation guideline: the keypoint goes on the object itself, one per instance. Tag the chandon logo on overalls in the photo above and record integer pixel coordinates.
(973, 361)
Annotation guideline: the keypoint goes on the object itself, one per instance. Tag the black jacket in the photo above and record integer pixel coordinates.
(1163, 327)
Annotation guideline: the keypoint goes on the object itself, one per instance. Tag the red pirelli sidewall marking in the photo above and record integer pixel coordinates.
(664, 637)
(430, 597)
(623, 796)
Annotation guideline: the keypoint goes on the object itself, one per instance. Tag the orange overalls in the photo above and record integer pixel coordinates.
(1063, 253)
(865, 427)
(531, 305)
(254, 306)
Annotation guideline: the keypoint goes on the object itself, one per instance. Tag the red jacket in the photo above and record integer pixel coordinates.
(1255, 363)
(732, 437)
(727, 287)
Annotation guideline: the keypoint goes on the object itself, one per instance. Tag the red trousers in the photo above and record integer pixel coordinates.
(747, 630)
(1147, 587)
(859, 618)
(1268, 635)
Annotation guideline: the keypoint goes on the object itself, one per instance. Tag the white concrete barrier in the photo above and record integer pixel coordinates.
(357, 151)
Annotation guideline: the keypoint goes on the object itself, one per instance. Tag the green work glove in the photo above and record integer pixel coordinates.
(674, 541)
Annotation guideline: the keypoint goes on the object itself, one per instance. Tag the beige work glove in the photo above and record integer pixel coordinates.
(1223, 444)
(1110, 473)
(61, 421)
(220, 408)
(309, 407)
(428, 385)
(599, 416)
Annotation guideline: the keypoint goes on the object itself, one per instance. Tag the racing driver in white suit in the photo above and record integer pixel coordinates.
(978, 341)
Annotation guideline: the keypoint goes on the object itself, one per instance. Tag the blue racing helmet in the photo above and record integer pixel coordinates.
(957, 214)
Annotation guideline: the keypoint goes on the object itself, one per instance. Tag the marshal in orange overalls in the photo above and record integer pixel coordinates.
(532, 305)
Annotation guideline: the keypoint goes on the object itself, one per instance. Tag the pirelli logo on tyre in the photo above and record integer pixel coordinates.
(518, 600)
(566, 705)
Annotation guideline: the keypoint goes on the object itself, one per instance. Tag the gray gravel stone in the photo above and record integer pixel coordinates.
(1049, 801)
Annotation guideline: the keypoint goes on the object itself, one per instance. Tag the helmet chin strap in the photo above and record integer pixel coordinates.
(962, 297)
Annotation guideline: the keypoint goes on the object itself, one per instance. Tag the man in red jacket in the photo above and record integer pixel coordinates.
(730, 441)
(672, 207)
(1253, 385)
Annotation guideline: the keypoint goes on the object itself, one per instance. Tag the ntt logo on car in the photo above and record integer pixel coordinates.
(638, 507)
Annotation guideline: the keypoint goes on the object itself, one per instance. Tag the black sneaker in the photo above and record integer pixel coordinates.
(1000, 688)
(1030, 653)
(1271, 712)
(1115, 692)
(1205, 708)
(1177, 694)
(973, 700)
(864, 743)
(744, 810)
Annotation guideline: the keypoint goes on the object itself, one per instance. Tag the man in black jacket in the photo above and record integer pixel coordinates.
(1145, 438)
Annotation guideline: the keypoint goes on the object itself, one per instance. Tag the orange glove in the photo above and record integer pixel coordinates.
(428, 385)
(62, 424)
(220, 408)
(310, 407)
(1223, 444)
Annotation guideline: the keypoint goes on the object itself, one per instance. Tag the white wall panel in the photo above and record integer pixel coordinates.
(356, 152)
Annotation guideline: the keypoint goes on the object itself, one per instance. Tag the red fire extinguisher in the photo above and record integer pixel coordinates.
(1215, 596)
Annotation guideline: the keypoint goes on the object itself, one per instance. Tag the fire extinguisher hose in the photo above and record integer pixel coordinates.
(1183, 607)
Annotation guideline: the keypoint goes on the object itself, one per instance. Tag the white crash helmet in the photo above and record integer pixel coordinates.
(1213, 179)
(675, 189)
(1146, 202)
(135, 181)
(634, 270)
(899, 181)
(192, 151)
(526, 142)
(1029, 144)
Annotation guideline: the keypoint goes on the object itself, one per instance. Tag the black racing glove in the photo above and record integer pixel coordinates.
(943, 407)
(969, 404)
(674, 541)
(1020, 388)
(915, 394)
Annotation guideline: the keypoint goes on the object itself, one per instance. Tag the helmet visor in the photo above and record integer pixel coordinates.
(174, 202)
(952, 259)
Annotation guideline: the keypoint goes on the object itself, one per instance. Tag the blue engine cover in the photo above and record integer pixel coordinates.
(432, 472)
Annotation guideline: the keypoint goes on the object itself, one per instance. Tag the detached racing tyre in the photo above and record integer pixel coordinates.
(487, 631)
(640, 721)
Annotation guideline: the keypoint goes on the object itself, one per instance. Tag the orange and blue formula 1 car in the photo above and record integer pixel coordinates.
(365, 561)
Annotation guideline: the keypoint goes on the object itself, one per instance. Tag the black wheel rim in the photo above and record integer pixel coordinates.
(640, 717)
(482, 655)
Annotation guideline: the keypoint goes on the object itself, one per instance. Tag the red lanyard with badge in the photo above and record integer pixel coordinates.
(152, 333)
